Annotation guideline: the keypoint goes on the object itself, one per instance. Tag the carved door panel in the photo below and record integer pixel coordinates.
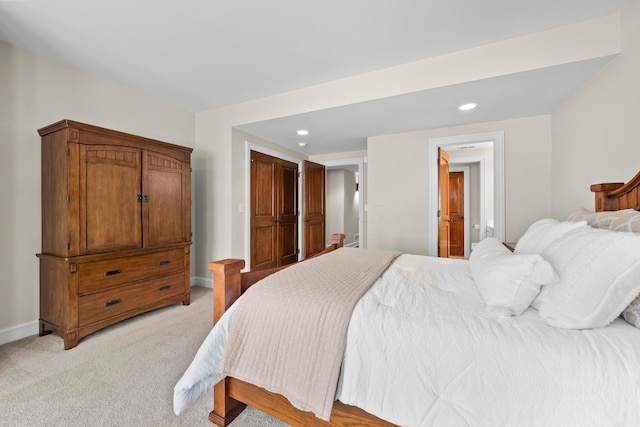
(110, 207)
(166, 198)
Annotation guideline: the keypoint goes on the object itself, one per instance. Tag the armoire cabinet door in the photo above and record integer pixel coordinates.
(110, 210)
(166, 200)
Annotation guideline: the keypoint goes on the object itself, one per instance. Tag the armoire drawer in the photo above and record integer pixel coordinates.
(98, 275)
(111, 302)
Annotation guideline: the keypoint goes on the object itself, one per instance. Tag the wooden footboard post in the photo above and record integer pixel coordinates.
(226, 289)
(337, 239)
(226, 284)
(603, 203)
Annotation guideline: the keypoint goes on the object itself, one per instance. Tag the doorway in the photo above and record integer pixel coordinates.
(345, 202)
(486, 151)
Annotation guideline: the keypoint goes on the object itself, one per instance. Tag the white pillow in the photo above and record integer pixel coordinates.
(508, 280)
(599, 276)
(544, 232)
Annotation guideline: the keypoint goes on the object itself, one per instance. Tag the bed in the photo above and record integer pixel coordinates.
(543, 353)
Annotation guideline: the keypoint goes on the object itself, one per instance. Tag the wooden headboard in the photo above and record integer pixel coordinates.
(614, 196)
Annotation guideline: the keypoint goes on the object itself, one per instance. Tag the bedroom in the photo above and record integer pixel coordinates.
(554, 156)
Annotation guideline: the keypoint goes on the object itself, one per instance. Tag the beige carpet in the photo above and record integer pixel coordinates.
(121, 376)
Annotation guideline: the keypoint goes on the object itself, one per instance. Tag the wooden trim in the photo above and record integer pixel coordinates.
(279, 407)
(96, 133)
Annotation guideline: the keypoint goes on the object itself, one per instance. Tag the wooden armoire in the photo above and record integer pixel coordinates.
(116, 227)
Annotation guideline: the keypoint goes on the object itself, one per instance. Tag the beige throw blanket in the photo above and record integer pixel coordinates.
(289, 331)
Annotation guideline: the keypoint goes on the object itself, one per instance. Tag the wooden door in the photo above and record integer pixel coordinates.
(110, 198)
(456, 214)
(314, 184)
(443, 214)
(274, 209)
(288, 214)
(166, 200)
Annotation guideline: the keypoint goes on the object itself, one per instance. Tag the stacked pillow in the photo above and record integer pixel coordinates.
(599, 270)
(575, 273)
(508, 281)
(543, 233)
(622, 220)
(599, 276)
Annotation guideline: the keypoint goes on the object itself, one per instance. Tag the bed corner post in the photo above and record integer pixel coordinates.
(226, 289)
(604, 203)
(226, 284)
(337, 239)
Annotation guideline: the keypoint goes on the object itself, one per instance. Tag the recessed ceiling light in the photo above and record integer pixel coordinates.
(303, 132)
(468, 106)
(302, 144)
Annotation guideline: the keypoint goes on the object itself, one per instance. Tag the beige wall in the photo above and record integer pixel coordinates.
(596, 133)
(220, 160)
(35, 92)
(397, 195)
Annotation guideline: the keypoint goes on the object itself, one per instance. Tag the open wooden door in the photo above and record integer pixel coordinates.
(456, 214)
(443, 213)
(314, 185)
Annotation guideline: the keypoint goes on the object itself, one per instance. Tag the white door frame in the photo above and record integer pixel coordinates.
(498, 182)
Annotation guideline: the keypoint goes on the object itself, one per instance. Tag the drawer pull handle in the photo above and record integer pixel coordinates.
(164, 288)
(112, 302)
(164, 262)
(112, 272)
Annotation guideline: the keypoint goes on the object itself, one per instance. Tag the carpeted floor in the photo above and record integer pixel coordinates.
(121, 376)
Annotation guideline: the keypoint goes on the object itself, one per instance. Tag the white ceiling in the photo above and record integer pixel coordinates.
(205, 54)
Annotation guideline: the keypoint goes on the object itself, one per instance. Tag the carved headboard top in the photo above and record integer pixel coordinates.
(615, 196)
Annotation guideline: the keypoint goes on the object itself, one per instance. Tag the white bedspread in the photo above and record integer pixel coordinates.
(448, 360)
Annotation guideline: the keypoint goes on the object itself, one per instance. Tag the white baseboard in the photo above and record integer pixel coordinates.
(18, 332)
(202, 282)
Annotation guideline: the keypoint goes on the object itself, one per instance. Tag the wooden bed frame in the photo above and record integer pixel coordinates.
(231, 395)
(615, 196)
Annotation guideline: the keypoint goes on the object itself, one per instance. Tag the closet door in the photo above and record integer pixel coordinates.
(274, 208)
(109, 186)
(165, 200)
(314, 183)
(263, 212)
(287, 233)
